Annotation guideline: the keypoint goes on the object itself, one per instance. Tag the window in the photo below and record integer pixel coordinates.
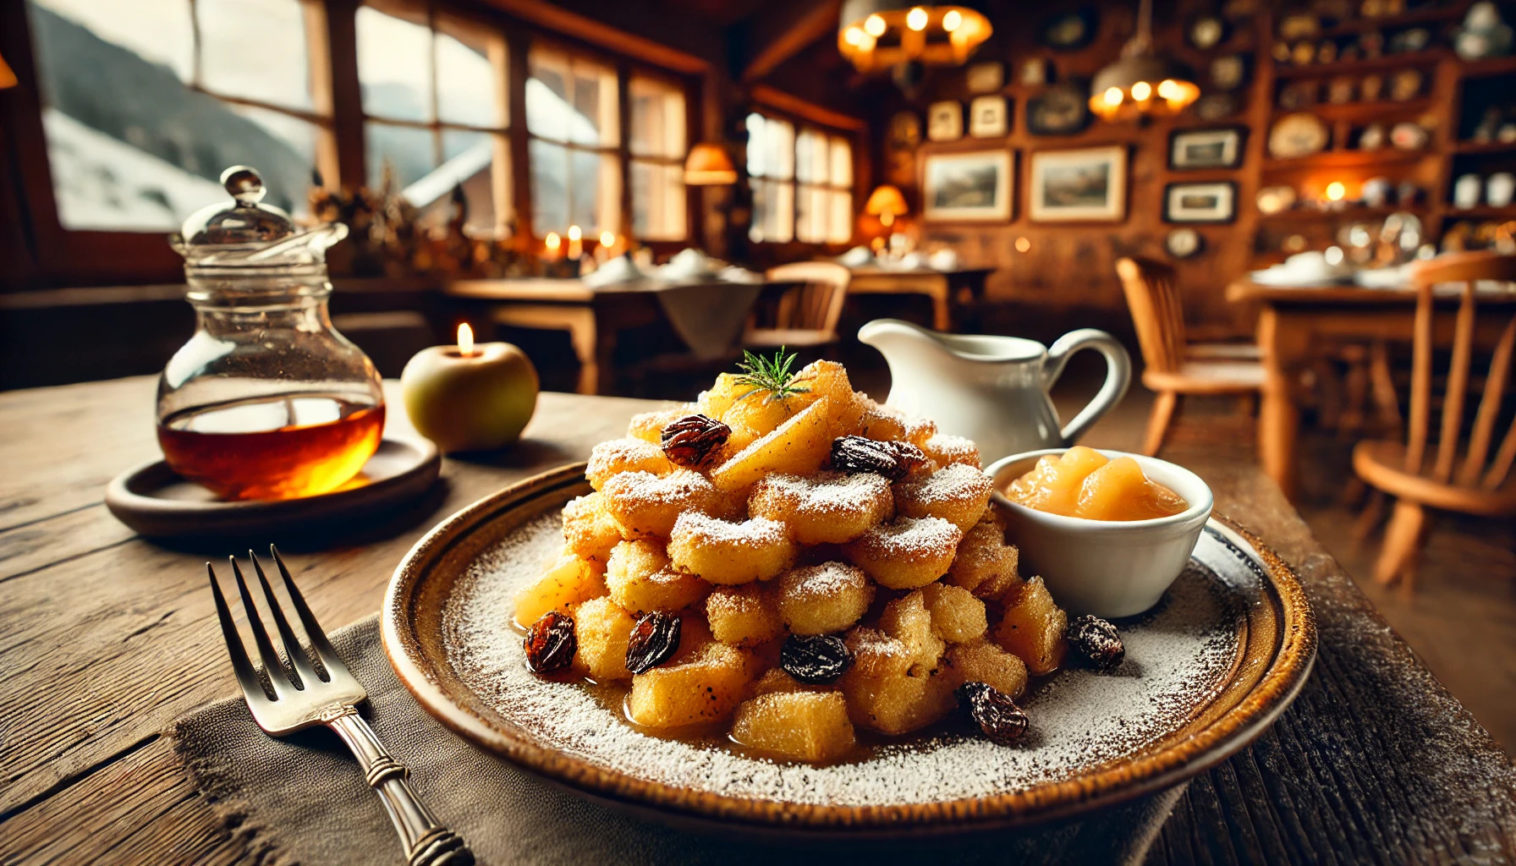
(657, 149)
(144, 107)
(435, 111)
(574, 127)
(802, 185)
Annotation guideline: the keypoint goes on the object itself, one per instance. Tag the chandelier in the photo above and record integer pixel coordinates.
(879, 34)
(1143, 82)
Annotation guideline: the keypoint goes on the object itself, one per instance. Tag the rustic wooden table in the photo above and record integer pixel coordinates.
(105, 638)
(940, 287)
(1295, 325)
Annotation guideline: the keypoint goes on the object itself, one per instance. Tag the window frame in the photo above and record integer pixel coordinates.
(62, 255)
(800, 123)
(48, 254)
(503, 183)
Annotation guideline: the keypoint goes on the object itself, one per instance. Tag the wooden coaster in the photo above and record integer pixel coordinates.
(156, 501)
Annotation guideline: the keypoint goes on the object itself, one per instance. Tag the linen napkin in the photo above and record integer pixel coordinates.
(302, 800)
(708, 318)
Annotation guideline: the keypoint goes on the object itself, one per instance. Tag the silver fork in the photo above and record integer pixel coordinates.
(290, 698)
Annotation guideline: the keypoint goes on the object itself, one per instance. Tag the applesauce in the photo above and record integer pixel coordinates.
(1085, 483)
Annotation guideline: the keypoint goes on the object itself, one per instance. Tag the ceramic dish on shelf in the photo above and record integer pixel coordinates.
(155, 501)
(1215, 663)
(1296, 135)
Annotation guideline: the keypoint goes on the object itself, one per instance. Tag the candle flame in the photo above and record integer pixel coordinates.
(553, 242)
(1336, 190)
(607, 240)
(465, 339)
(575, 233)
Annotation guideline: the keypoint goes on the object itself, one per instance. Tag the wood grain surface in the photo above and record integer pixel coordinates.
(105, 638)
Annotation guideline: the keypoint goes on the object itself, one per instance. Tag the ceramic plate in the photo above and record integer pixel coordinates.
(157, 502)
(1206, 671)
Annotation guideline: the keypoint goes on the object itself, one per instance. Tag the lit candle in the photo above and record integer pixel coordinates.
(470, 397)
(554, 245)
(607, 248)
(576, 243)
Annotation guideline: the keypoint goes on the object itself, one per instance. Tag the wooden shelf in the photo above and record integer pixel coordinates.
(1482, 213)
(1387, 63)
(1486, 68)
(1430, 15)
(1360, 110)
(1344, 215)
(1346, 159)
(1485, 147)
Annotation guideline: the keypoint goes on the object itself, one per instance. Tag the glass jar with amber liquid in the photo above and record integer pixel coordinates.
(267, 400)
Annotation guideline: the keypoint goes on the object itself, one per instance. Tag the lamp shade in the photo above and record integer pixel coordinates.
(886, 199)
(7, 75)
(709, 165)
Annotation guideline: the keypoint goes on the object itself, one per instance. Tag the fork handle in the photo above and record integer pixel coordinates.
(426, 842)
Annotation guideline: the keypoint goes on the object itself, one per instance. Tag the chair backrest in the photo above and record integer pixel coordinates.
(1478, 468)
(815, 302)
(1153, 299)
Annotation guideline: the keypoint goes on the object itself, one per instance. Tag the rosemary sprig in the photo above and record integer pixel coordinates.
(769, 374)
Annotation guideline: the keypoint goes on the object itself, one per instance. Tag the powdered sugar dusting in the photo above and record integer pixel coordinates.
(704, 529)
(1177, 656)
(956, 482)
(820, 495)
(910, 538)
(826, 580)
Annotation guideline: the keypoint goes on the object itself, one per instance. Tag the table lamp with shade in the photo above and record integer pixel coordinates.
(708, 164)
(886, 202)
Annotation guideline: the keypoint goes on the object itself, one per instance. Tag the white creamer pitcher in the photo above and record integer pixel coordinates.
(993, 389)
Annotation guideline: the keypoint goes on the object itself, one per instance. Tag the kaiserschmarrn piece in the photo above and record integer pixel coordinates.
(787, 560)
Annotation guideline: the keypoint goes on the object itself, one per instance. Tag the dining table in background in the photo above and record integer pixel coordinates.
(594, 317)
(1297, 323)
(106, 638)
(946, 289)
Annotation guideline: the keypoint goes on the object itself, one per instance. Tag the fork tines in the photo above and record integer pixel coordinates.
(296, 669)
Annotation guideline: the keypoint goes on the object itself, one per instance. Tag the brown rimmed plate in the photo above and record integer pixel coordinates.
(1207, 670)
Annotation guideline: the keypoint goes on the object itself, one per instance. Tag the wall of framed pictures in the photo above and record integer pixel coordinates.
(1382, 100)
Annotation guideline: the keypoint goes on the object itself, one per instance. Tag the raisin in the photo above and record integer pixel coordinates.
(550, 643)
(1096, 642)
(993, 712)
(893, 460)
(693, 440)
(654, 639)
(815, 658)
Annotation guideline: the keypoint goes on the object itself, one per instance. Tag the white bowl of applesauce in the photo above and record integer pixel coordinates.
(1107, 530)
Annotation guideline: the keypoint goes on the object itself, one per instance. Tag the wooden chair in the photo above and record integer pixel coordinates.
(1172, 367)
(807, 314)
(1462, 475)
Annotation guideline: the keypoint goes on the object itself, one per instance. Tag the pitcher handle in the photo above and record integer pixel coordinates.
(1118, 376)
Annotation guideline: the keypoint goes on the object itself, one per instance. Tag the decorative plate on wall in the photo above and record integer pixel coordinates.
(1298, 134)
(1182, 243)
(1061, 110)
(1070, 30)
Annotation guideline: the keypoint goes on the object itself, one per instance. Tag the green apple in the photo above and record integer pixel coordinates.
(475, 401)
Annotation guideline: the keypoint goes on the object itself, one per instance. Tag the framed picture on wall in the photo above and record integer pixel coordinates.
(1205, 148)
(970, 187)
(1086, 185)
(1214, 202)
(987, 117)
(944, 121)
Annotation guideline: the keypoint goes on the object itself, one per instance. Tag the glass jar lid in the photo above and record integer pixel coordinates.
(247, 231)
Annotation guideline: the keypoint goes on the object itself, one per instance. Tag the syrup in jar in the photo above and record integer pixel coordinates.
(272, 447)
(266, 400)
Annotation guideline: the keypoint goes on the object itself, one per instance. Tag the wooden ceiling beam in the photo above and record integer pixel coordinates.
(777, 34)
(630, 27)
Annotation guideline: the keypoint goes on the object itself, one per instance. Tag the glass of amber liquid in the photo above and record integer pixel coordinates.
(266, 400)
